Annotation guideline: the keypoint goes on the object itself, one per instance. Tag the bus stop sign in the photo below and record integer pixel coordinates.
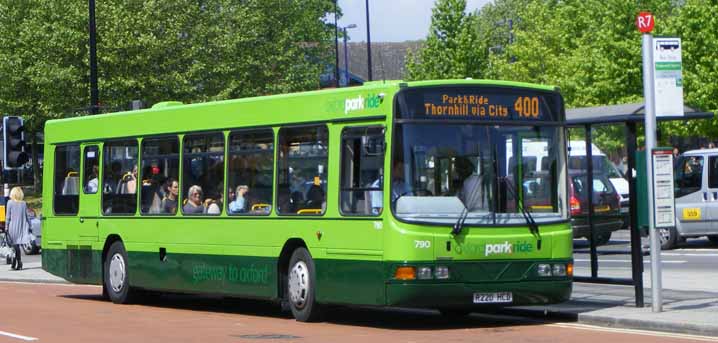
(645, 22)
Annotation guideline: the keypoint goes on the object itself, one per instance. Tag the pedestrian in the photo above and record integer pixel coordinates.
(17, 224)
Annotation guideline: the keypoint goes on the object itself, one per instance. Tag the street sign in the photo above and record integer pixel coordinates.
(664, 204)
(668, 77)
(645, 22)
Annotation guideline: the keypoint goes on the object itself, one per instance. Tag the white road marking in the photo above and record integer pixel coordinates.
(634, 332)
(627, 261)
(687, 254)
(24, 338)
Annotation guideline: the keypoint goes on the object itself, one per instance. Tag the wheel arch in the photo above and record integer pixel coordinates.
(283, 262)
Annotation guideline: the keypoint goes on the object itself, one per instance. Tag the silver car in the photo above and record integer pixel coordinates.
(696, 194)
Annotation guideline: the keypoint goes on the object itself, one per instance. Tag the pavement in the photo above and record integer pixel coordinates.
(684, 311)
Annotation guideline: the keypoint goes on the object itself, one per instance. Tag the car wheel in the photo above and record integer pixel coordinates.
(602, 238)
(668, 238)
(301, 281)
(713, 239)
(30, 248)
(115, 276)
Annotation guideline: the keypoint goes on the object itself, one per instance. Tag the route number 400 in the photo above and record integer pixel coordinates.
(422, 244)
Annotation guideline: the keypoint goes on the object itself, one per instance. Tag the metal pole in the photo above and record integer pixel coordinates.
(636, 250)
(336, 46)
(650, 128)
(94, 96)
(591, 211)
(368, 41)
(346, 58)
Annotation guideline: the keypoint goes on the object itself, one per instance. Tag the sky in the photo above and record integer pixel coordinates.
(392, 20)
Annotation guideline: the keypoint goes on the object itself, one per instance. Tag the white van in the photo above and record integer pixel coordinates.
(533, 155)
(601, 163)
(696, 194)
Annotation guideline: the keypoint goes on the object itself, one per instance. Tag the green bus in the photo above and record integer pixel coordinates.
(282, 197)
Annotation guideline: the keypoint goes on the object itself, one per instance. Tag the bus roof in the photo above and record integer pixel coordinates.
(370, 101)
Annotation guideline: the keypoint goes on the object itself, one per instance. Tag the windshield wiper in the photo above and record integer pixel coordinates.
(527, 215)
(462, 218)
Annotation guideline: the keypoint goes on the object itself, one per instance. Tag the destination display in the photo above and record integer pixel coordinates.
(476, 103)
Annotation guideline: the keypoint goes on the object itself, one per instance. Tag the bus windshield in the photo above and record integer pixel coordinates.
(440, 170)
(489, 168)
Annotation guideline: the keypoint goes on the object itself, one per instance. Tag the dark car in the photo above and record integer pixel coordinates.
(606, 207)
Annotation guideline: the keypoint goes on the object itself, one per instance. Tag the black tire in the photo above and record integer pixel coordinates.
(602, 238)
(713, 239)
(668, 238)
(300, 286)
(116, 281)
(30, 248)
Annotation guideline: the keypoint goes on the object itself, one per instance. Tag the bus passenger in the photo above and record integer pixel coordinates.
(169, 202)
(194, 201)
(93, 184)
(239, 205)
(212, 206)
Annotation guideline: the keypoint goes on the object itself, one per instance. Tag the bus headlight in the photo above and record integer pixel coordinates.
(424, 273)
(559, 269)
(544, 269)
(442, 272)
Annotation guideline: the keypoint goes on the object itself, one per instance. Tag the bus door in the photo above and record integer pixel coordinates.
(89, 211)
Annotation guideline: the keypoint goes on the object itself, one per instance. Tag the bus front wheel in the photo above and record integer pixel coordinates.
(115, 276)
(301, 280)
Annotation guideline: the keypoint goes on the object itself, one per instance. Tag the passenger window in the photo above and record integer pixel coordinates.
(250, 172)
(119, 178)
(66, 198)
(91, 175)
(689, 175)
(362, 171)
(302, 170)
(713, 172)
(159, 193)
(203, 174)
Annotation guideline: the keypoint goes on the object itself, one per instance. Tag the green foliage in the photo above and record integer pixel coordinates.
(155, 50)
(697, 26)
(450, 50)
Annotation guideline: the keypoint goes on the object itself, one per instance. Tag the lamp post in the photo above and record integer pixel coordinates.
(368, 41)
(336, 46)
(346, 53)
(94, 108)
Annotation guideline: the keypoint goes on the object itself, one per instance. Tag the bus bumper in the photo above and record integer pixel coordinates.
(461, 295)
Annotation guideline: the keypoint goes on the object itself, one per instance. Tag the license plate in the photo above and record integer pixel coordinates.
(493, 298)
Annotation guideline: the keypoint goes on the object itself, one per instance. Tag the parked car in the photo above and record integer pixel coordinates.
(606, 207)
(601, 164)
(696, 198)
(35, 234)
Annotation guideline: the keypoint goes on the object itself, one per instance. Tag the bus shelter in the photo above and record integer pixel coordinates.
(631, 117)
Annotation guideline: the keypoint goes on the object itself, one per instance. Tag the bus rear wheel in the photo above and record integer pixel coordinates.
(115, 277)
(301, 281)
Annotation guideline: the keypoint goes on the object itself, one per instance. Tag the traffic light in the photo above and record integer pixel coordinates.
(14, 155)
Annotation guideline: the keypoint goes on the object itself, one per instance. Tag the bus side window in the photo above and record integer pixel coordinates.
(66, 198)
(119, 178)
(362, 174)
(159, 189)
(302, 170)
(202, 174)
(250, 172)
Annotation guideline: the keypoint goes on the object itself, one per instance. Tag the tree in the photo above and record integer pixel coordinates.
(42, 61)
(450, 50)
(154, 50)
(698, 29)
